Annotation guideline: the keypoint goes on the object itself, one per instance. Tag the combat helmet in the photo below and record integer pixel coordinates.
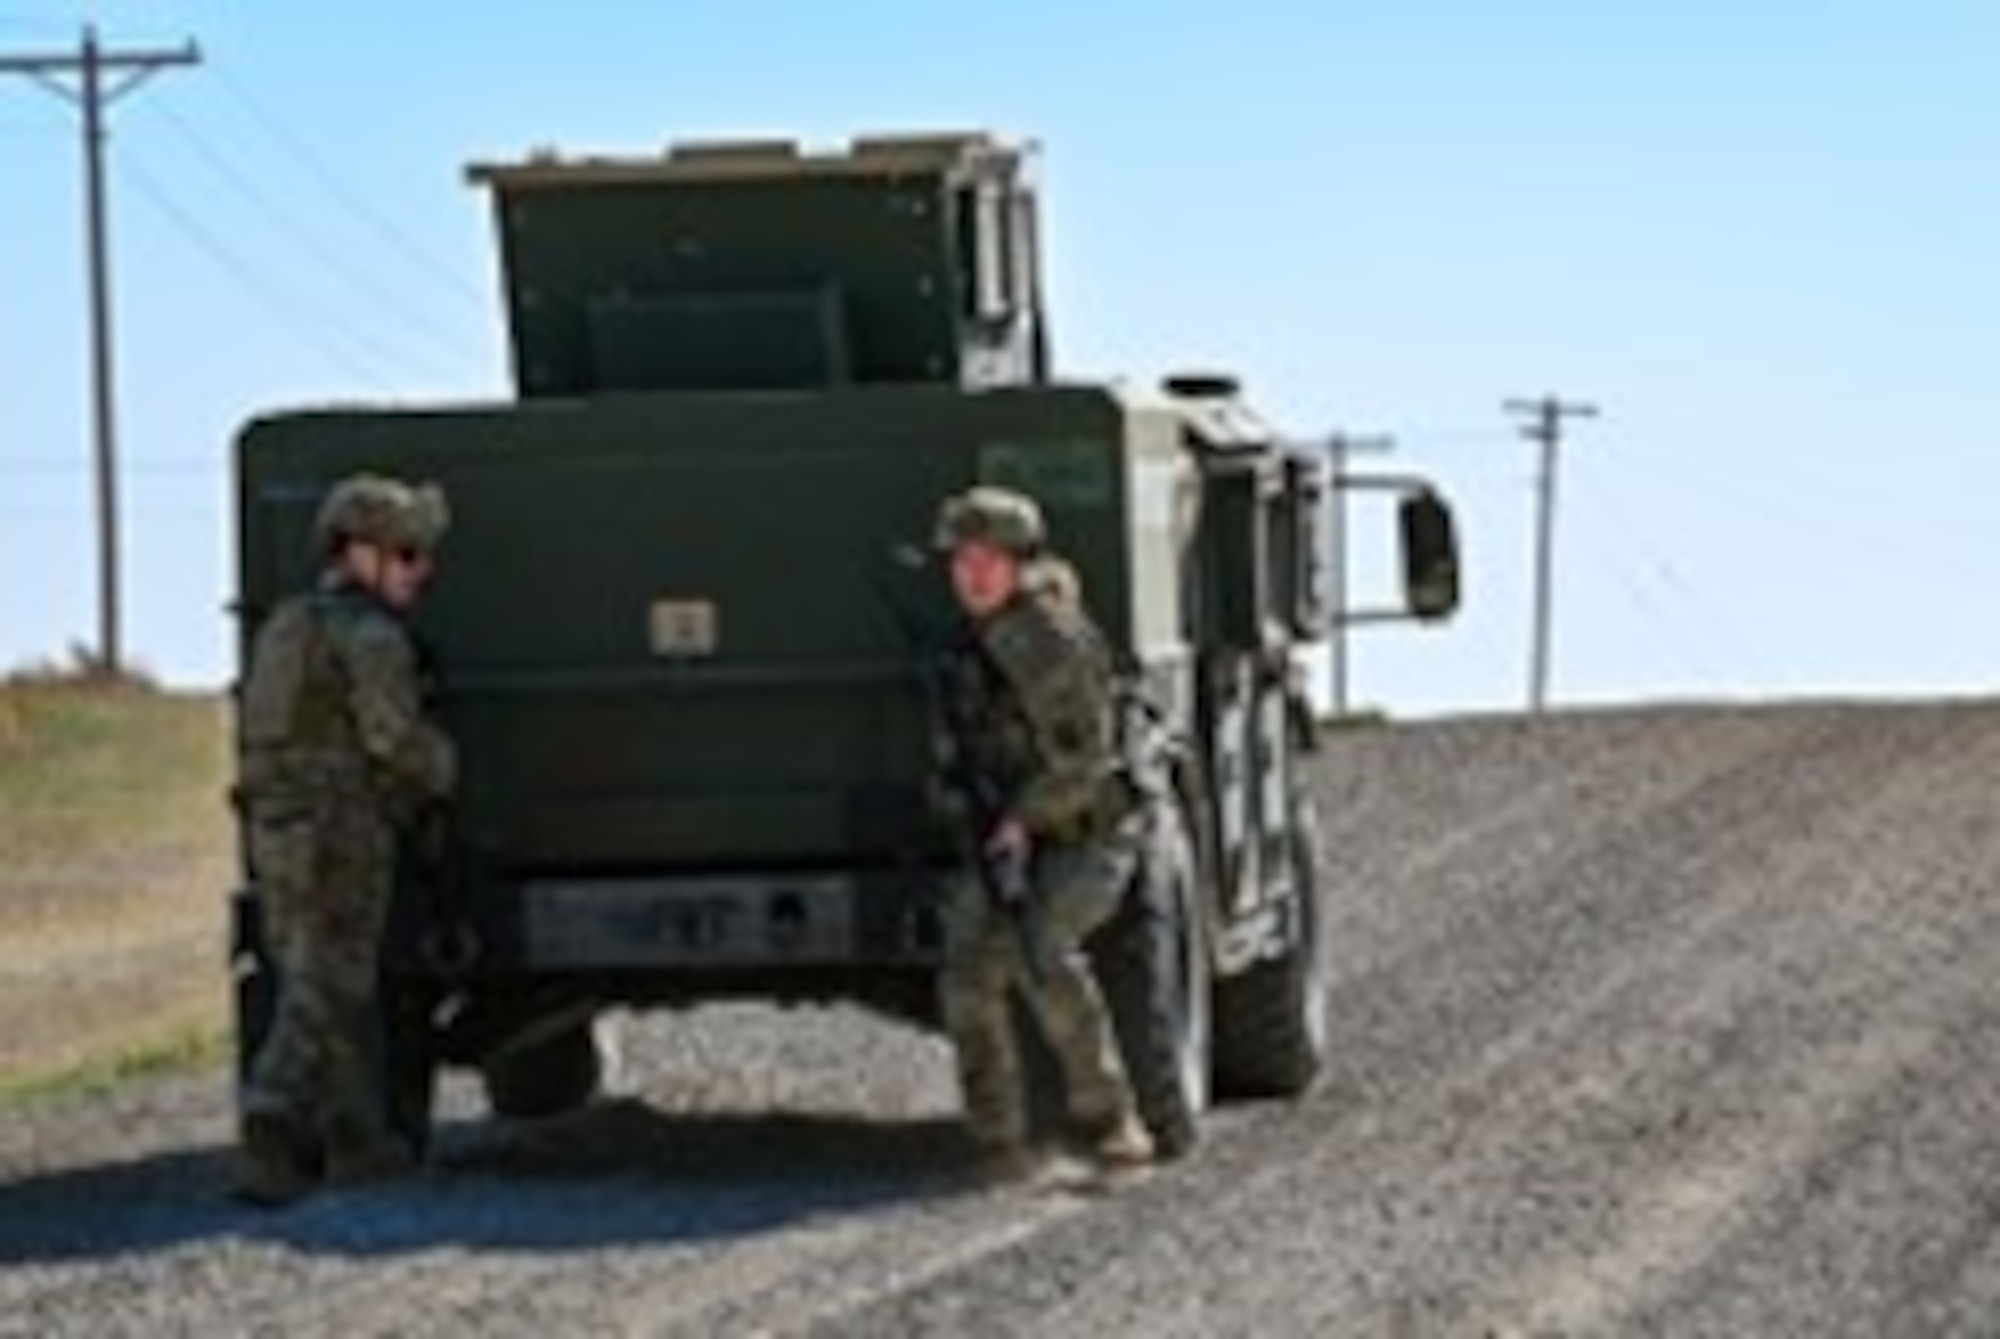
(1008, 520)
(375, 509)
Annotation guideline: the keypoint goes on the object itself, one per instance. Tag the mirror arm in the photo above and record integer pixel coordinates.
(1385, 483)
(1386, 614)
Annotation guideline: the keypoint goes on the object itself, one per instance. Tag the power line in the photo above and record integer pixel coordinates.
(413, 318)
(352, 360)
(359, 205)
(1654, 558)
(1860, 540)
(31, 126)
(91, 97)
(48, 465)
(1451, 434)
(1686, 622)
(1545, 419)
(144, 506)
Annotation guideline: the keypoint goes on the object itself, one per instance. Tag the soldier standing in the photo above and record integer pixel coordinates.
(1034, 762)
(336, 759)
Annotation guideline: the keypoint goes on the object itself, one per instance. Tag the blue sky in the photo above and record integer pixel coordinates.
(1763, 239)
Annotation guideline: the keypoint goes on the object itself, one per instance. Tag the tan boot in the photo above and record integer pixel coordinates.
(1126, 1144)
(272, 1167)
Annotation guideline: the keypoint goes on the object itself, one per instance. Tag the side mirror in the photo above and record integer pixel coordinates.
(1430, 556)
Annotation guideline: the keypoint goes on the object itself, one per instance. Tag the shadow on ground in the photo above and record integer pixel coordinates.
(620, 1173)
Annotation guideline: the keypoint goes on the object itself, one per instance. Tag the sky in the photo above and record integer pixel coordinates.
(1762, 240)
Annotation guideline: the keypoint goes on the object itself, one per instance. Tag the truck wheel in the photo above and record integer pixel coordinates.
(547, 1076)
(1153, 961)
(1272, 1022)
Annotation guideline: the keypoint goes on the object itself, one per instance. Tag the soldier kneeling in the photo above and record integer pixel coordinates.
(1057, 838)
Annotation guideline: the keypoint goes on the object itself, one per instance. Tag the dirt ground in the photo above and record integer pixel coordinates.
(1668, 1022)
(115, 860)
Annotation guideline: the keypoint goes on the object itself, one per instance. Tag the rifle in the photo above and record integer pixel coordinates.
(1004, 874)
(448, 941)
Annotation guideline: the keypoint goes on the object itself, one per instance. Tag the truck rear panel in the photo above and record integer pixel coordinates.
(670, 650)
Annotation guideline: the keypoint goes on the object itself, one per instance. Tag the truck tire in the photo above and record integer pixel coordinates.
(1272, 1022)
(547, 1076)
(1153, 962)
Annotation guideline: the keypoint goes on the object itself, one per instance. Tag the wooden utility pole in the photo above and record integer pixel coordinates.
(79, 79)
(1545, 418)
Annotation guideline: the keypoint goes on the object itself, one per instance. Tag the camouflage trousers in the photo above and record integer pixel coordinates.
(1076, 890)
(324, 876)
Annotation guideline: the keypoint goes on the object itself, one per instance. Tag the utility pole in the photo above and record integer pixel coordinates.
(1545, 418)
(91, 95)
(1341, 448)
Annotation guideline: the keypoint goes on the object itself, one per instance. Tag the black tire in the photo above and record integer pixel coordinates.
(1273, 1022)
(1153, 962)
(545, 1077)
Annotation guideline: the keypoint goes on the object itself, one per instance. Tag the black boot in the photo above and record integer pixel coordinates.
(275, 1160)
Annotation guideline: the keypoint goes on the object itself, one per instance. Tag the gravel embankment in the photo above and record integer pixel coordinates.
(1670, 1022)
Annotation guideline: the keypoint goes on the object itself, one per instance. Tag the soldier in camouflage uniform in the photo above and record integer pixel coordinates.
(1030, 707)
(336, 760)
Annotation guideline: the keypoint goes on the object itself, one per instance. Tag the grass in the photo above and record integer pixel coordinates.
(175, 1052)
(116, 854)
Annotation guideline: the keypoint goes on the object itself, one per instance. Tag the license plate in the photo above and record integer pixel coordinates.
(749, 921)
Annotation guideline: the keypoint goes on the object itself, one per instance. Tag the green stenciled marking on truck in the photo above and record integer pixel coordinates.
(1058, 472)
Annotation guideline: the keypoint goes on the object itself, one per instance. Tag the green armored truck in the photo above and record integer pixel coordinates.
(681, 627)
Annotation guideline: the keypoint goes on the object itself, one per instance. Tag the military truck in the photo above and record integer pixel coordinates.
(684, 609)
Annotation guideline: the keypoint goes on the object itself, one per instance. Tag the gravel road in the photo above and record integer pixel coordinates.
(1664, 1022)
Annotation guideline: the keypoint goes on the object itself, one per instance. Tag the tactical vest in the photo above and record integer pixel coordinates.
(295, 734)
(987, 724)
(993, 727)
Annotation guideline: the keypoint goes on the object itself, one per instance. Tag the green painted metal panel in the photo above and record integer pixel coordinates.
(663, 619)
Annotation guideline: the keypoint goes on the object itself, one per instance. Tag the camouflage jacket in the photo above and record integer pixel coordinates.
(1031, 704)
(334, 704)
